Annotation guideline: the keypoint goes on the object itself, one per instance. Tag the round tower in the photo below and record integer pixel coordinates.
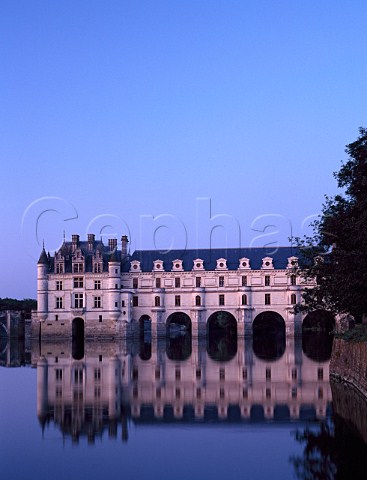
(42, 285)
(114, 285)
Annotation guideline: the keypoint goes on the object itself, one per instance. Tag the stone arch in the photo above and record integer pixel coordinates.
(178, 335)
(268, 339)
(221, 336)
(77, 335)
(316, 339)
(145, 337)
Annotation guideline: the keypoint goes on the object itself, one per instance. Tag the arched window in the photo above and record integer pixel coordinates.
(244, 299)
(198, 300)
(157, 301)
(293, 299)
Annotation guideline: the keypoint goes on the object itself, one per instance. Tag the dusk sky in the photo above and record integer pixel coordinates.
(114, 113)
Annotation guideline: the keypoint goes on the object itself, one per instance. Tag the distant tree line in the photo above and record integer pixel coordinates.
(27, 304)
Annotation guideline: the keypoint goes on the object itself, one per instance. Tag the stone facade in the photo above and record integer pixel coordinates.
(110, 291)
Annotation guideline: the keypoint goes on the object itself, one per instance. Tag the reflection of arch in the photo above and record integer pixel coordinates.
(268, 336)
(178, 329)
(222, 336)
(145, 337)
(316, 339)
(77, 330)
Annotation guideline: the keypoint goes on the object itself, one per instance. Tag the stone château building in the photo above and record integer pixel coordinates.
(96, 290)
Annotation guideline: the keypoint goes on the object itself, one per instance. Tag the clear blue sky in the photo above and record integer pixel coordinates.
(129, 110)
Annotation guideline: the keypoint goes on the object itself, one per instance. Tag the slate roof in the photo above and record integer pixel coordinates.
(279, 255)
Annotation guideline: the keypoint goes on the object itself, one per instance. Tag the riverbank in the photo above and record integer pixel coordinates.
(349, 359)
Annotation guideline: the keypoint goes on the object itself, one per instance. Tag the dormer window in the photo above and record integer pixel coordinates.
(244, 264)
(158, 266)
(198, 264)
(78, 267)
(292, 262)
(221, 264)
(135, 266)
(267, 263)
(177, 265)
(59, 267)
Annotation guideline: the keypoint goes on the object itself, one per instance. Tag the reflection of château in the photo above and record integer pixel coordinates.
(110, 384)
(88, 289)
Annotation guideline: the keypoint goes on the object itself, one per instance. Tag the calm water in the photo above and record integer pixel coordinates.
(173, 408)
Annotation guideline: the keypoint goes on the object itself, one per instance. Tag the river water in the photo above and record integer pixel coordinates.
(173, 408)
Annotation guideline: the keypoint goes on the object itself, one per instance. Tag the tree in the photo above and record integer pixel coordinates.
(336, 255)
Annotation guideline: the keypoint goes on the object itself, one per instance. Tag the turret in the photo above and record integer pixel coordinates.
(42, 285)
(114, 284)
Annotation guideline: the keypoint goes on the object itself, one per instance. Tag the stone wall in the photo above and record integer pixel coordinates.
(349, 363)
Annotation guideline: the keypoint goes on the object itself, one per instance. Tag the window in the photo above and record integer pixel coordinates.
(157, 302)
(244, 373)
(320, 393)
(267, 280)
(158, 282)
(293, 280)
(198, 282)
(78, 268)
(135, 283)
(58, 285)
(97, 374)
(293, 299)
(198, 373)
(178, 373)
(97, 302)
(97, 284)
(59, 302)
(294, 374)
(268, 393)
(78, 282)
(294, 392)
(100, 318)
(177, 393)
(177, 301)
(221, 281)
(268, 374)
(177, 282)
(221, 299)
(221, 393)
(59, 268)
(135, 301)
(158, 392)
(320, 374)
(198, 300)
(157, 374)
(244, 299)
(78, 300)
(222, 374)
(116, 286)
(198, 393)
(122, 303)
(244, 281)
(97, 268)
(58, 374)
(267, 298)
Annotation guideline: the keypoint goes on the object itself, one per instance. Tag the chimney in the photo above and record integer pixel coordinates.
(112, 243)
(124, 242)
(75, 241)
(91, 238)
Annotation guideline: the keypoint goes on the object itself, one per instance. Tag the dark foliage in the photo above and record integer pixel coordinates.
(26, 305)
(336, 255)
